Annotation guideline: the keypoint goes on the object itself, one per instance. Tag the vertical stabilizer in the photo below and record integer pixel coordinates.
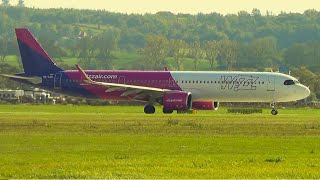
(35, 60)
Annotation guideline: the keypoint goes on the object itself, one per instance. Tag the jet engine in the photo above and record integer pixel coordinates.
(205, 105)
(178, 100)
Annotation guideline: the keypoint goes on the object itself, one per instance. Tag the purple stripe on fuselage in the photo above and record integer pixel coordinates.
(27, 38)
(156, 79)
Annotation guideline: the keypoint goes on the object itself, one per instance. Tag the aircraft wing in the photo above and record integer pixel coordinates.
(34, 80)
(140, 91)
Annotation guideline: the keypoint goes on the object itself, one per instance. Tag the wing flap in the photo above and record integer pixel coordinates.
(133, 91)
(114, 89)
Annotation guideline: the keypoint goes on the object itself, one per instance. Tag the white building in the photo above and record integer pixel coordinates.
(11, 95)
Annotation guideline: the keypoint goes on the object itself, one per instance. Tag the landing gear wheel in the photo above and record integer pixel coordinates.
(167, 111)
(274, 112)
(149, 109)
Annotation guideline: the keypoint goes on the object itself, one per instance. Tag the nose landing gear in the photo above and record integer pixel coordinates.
(274, 111)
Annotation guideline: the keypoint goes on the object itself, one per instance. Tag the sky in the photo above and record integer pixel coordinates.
(180, 6)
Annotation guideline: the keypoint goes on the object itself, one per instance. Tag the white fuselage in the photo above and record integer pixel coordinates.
(241, 86)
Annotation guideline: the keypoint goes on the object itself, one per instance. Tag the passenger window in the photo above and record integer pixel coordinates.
(288, 82)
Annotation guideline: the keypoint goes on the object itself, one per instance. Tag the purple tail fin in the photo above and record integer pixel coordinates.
(36, 62)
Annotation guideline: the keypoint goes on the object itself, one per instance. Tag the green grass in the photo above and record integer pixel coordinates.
(12, 60)
(121, 142)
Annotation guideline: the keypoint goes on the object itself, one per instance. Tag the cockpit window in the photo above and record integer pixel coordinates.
(289, 82)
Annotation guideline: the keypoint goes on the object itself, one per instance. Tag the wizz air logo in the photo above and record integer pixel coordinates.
(239, 82)
(102, 76)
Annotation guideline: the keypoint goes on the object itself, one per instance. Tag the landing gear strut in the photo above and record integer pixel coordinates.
(149, 109)
(274, 111)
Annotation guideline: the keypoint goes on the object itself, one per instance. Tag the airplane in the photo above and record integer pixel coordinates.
(175, 90)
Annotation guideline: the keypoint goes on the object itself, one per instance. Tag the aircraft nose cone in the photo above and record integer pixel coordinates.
(302, 92)
(307, 91)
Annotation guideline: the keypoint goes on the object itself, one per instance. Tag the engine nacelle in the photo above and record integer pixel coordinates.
(178, 100)
(205, 105)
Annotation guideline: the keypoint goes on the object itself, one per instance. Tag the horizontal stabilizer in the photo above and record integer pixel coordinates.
(33, 80)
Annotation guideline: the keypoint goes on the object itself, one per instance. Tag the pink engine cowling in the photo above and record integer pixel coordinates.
(177, 100)
(205, 105)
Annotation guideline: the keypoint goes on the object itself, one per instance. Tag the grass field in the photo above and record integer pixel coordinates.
(122, 142)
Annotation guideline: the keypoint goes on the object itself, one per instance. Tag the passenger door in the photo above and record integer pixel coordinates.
(122, 80)
(271, 83)
(57, 80)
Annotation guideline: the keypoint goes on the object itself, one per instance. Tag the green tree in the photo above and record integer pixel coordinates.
(86, 58)
(155, 51)
(106, 42)
(211, 51)
(263, 52)
(5, 3)
(256, 12)
(3, 49)
(52, 47)
(196, 53)
(178, 49)
(228, 53)
(295, 55)
(21, 3)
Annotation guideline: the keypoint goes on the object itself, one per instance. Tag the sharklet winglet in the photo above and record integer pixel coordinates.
(83, 75)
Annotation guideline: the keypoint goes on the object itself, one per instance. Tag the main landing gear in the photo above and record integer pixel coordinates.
(166, 111)
(149, 109)
(274, 111)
